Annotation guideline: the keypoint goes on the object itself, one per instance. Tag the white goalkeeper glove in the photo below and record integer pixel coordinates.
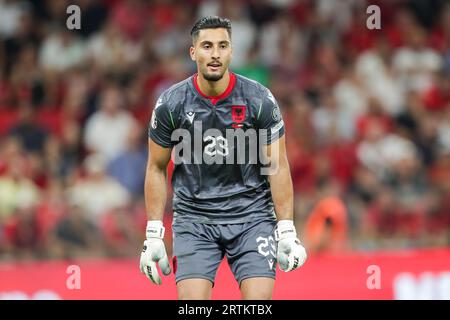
(290, 253)
(154, 252)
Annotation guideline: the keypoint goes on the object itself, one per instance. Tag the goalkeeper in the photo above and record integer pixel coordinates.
(222, 206)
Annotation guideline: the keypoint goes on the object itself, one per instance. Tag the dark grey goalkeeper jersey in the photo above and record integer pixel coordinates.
(215, 178)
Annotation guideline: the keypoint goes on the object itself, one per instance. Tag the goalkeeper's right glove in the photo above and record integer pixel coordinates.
(154, 252)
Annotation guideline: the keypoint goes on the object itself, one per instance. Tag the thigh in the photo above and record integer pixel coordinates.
(196, 253)
(194, 289)
(257, 288)
(252, 253)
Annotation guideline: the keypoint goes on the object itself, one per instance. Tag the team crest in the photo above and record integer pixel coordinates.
(238, 116)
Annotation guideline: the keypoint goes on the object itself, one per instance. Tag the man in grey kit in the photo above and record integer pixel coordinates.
(222, 206)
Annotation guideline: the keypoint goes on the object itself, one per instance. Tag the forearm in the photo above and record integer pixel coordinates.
(155, 192)
(154, 251)
(282, 192)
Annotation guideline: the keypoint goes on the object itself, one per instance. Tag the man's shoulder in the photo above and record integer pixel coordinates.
(177, 92)
(250, 86)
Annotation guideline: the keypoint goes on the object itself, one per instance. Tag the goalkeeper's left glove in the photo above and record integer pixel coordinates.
(290, 252)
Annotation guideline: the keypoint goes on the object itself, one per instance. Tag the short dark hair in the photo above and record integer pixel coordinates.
(211, 22)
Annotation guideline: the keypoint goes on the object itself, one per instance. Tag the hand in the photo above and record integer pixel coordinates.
(290, 252)
(154, 252)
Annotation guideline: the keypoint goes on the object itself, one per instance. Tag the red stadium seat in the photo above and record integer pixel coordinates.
(51, 120)
(8, 119)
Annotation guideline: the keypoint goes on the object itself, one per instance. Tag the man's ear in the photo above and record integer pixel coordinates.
(192, 53)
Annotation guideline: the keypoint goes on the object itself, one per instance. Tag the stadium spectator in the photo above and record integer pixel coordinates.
(131, 16)
(244, 32)
(76, 236)
(96, 192)
(281, 37)
(329, 123)
(107, 129)
(31, 135)
(326, 227)
(172, 37)
(17, 189)
(61, 50)
(60, 158)
(381, 151)
(129, 166)
(24, 238)
(119, 227)
(11, 12)
(373, 67)
(443, 131)
(351, 98)
(110, 50)
(415, 63)
(24, 36)
(93, 15)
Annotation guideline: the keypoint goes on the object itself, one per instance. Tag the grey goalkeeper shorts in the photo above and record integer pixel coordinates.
(198, 249)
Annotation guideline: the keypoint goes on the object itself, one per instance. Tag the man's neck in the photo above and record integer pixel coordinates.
(213, 88)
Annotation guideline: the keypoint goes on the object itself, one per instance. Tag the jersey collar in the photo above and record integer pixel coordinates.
(215, 99)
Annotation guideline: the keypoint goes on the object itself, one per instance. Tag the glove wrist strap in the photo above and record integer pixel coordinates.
(285, 229)
(155, 229)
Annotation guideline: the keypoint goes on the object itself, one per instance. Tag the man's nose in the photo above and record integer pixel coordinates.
(215, 53)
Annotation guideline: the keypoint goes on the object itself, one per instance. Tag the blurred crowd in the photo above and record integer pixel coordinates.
(367, 115)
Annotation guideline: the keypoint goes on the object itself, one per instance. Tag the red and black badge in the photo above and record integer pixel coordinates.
(238, 116)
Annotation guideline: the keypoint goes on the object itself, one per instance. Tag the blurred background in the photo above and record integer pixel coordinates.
(367, 115)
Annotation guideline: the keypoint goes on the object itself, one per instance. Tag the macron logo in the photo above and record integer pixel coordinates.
(191, 116)
(270, 264)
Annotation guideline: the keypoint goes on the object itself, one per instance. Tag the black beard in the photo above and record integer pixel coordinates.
(212, 77)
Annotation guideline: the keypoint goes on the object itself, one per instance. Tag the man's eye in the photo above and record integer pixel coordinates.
(206, 46)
